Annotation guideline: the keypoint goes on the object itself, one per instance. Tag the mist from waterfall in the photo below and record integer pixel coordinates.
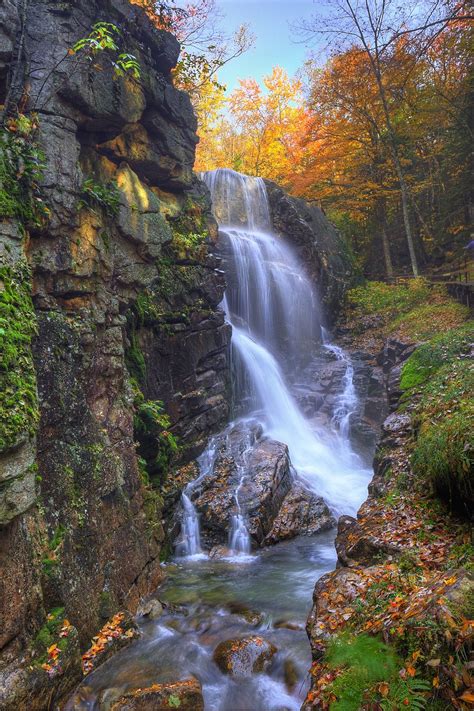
(274, 311)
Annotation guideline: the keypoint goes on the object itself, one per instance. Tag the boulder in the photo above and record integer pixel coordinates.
(243, 657)
(260, 468)
(185, 695)
(302, 513)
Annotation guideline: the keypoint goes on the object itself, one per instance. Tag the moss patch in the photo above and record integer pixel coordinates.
(19, 414)
(441, 371)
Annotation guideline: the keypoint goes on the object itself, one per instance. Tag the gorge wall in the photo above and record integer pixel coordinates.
(123, 315)
(108, 308)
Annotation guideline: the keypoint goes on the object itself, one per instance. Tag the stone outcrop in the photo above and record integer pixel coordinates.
(185, 695)
(125, 310)
(256, 470)
(319, 245)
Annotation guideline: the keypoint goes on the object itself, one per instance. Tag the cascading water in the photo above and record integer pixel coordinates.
(189, 543)
(273, 309)
(347, 401)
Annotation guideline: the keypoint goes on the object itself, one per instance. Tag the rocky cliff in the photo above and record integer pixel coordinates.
(319, 245)
(110, 301)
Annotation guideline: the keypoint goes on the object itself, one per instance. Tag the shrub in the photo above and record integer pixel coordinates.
(388, 299)
(443, 454)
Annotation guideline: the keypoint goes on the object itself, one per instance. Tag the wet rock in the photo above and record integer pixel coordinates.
(117, 634)
(354, 547)
(290, 673)
(260, 467)
(302, 513)
(315, 240)
(395, 426)
(251, 616)
(288, 625)
(243, 657)
(151, 609)
(185, 695)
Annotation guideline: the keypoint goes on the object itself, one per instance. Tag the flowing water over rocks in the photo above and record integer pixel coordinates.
(235, 604)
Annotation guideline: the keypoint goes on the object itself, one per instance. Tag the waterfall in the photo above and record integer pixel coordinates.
(274, 312)
(189, 543)
(275, 315)
(347, 400)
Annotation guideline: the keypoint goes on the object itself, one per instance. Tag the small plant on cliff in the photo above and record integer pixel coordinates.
(21, 168)
(191, 245)
(103, 37)
(157, 445)
(100, 196)
(369, 674)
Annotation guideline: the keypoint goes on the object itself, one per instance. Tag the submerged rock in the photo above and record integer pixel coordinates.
(243, 657)
(185, 695)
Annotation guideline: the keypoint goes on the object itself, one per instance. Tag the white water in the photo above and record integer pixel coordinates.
(189, 543)
(274, 311)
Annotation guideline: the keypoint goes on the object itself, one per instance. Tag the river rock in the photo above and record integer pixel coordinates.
(243, 657)
(262, 468)
(185, 695)
(302, 513)
(151, 609)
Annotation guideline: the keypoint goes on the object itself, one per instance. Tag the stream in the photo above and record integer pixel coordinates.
(278, 344)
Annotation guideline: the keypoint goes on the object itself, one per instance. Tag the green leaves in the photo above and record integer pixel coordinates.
(103, 38)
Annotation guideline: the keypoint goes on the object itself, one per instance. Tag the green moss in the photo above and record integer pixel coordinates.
(430, 357)
(21, 168)
(19, 414)
(157, 445)
(388, 299)
(443, 454)
(48, 634)
(134, 357)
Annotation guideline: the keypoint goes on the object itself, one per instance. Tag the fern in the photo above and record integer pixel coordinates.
(408, 694)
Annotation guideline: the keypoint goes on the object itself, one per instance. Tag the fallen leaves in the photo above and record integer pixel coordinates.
(112, 630)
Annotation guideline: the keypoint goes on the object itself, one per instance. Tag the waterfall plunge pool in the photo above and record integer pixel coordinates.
(208, 602)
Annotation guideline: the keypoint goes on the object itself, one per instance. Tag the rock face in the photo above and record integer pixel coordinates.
(243, 657)
(125, 311)
(319, 245)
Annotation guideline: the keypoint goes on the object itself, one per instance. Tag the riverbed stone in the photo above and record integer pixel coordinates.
(244, 657)
(185, 695)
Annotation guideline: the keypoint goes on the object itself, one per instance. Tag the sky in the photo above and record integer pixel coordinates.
(276, 43)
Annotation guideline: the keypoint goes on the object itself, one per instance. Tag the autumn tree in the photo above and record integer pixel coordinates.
(260, 132)
(205, 47)
(375, 26)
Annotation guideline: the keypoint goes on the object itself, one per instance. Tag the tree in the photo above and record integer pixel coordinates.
(261, 134)
(205, 47)
(376, 26)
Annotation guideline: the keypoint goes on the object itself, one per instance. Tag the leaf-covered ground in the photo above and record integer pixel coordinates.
(406, 592)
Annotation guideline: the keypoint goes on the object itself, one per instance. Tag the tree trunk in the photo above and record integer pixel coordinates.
(386, 252)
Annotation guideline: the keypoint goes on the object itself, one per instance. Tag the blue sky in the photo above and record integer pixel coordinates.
(270, 21)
